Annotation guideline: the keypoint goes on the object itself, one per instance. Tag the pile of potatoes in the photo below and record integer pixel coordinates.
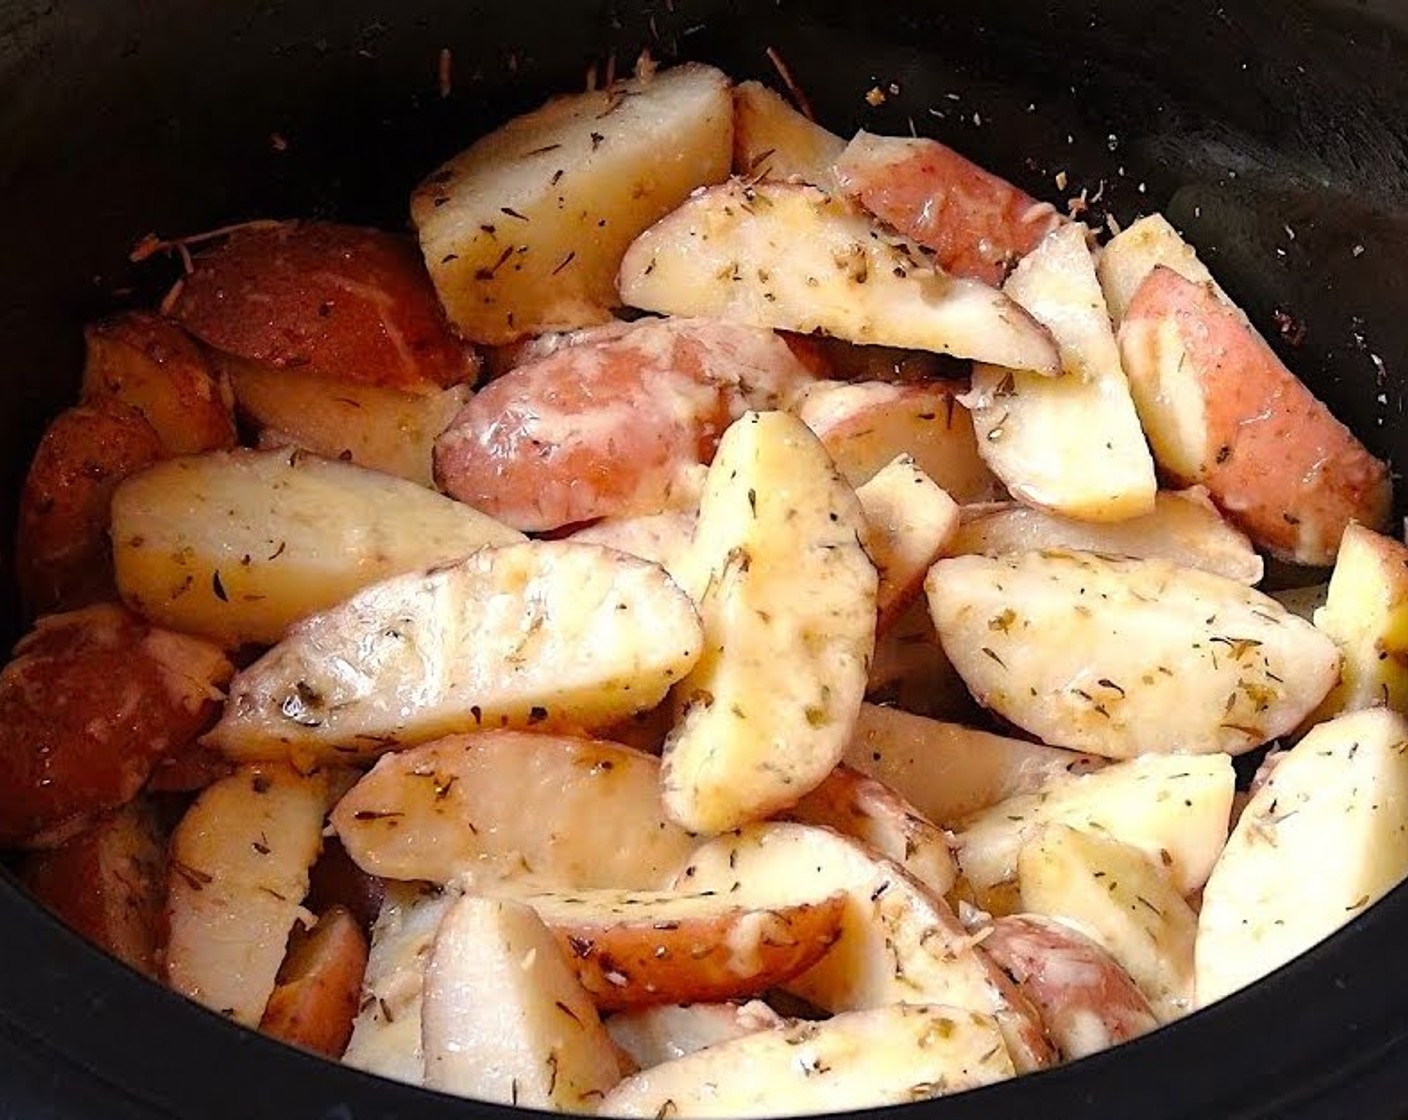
(734, 622)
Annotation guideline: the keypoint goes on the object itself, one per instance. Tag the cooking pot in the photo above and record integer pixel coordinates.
(1274, 133)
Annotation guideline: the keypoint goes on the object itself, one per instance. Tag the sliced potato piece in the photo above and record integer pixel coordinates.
(237, 545)
(1124, 900)
(1172, 808)
(520, 802)
(662, 538)
(1184, 528)
(1071, 444)
(664, 1032)
(787, 598)
(949, 771)
(864, 1059)
(898, 943)
(315, 998)
(771, 140)
(788, 256)
(523, 231)
(547, 634)
(1135, 252)
(1321, 840)
(504, 1020)
(239, 871)
(909, 519)
(1123, 657)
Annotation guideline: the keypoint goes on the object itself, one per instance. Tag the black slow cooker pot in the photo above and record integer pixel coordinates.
(1275, 133)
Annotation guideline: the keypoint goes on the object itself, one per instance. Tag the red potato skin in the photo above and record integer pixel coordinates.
(977, 224)
(63, 558)
(315, 1000)
(341, 300)
(1275, 460)
(605, 427)
(90, 702)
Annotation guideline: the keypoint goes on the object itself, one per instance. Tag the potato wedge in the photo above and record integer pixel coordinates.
(1128, 903)
(388, 430)
(523, 231)
(386, 1035)
(619, 422)
(976, 223)
(239, 871)
(898, 944)
(863, 1059)
(949, 771)
(1322, 840)
(788, 256)
(522, 802)
(1072, 444)
(1133, 657)
(1184, 529)
(662, 538)
(870, 811)
(319, 985)
(666, 1031)
(504, 1019)
(546, 634)
(91, 702)
(866, 425)
(909, 519)
(771, 140)
(109, 884)
(1366, 613)
(1174, 809)
(1135, 252)
(786, 594)
(341, 300)
(1220, 409)
(151, 364)
(631, 948)
(1086, 998)
(238, 545)
(63, 558)
(910, 671)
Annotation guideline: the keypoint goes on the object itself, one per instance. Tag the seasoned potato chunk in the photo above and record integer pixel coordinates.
(319, 985)
(771, 140)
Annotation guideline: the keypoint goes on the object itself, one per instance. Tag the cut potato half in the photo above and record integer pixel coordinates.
(771, 140)
(909, 519)
(1135, 252)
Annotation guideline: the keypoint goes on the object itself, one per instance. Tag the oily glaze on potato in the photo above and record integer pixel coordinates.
(611, 425)
(1220, 409)
(342, 300)
(771, 140)
(662, 1032)
(524, 230)
(318, 986)
(92, 700)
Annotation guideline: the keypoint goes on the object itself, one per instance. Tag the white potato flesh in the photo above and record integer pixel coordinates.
(546, 634)
(949, 771)
(1135, 252)
(387, 430)
(873, 813)
(1324, 838)
(771, 140)
(652, 1035)
(1124, 900)
(662, 538)
(787, 597)
(1122, 657)
(899, 943)
(238, 545)
(523, 231)
(789, 256)
(1070, 444)
(504, 1019)
(911, 672)
(1174, 809)
(238, 873)
(909, 519)
(864, 1059)
(505, 802)
(1184, 528)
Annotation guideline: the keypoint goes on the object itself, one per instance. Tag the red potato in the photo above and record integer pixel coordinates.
(151, 364)
(1086, 999)
(91, 701)
(109, 884)
(356, 303)
(1221, 409)
(315, 997)
(978, 224)
(62, 555)
(611, 427)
